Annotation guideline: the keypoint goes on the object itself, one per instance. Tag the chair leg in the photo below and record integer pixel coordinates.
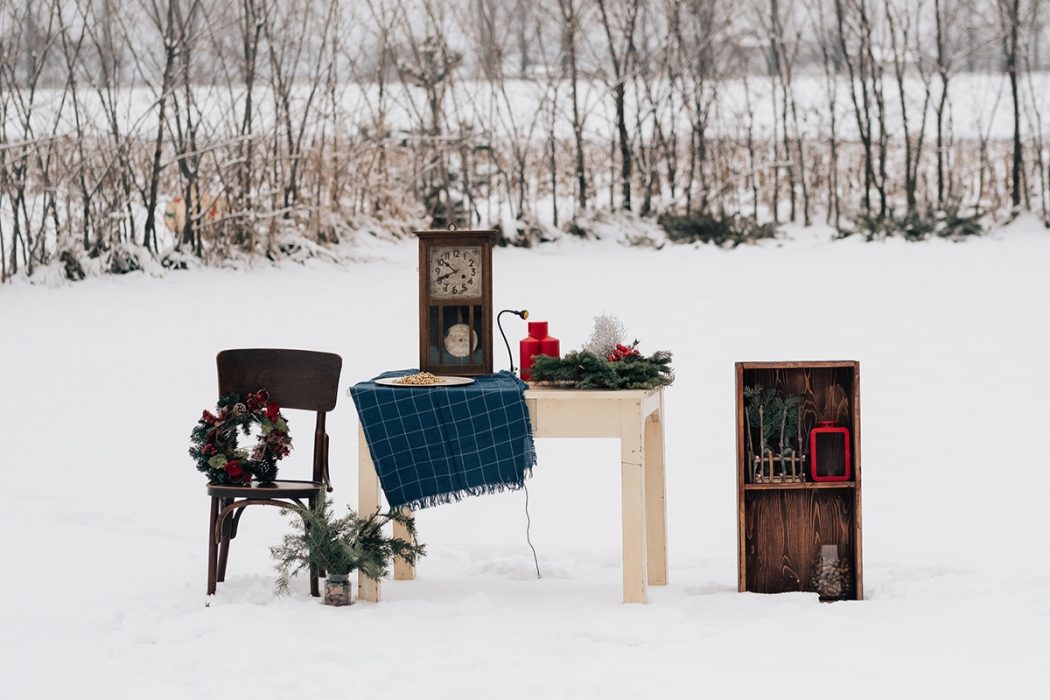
(224, 553)
(315, 589)
(224, 543)
(213, 547)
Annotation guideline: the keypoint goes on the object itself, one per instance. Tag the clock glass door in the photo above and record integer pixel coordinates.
(455, 335)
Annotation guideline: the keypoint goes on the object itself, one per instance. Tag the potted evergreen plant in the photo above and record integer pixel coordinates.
(340, 546)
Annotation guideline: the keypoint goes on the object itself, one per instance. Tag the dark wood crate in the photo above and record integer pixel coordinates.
(781, 525)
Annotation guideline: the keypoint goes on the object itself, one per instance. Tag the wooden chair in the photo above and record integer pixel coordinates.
(295, 379)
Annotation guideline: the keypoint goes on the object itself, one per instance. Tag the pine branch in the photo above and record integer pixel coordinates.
(342, 545)
(585, 370)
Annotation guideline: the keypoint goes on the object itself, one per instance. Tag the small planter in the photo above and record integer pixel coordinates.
(338, 590)
(341, 546)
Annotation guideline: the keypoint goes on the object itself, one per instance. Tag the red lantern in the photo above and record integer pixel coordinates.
(829, 458)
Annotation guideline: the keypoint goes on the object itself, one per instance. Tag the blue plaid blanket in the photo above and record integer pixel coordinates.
(433, 445)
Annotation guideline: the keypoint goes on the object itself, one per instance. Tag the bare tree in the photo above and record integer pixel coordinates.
(250, 25)
(115, 178)
(1010, 18)
(72, 41)
(619, 19)
(293, 66)
(428, 63)
(570, 14)
(856, 44)
(827, 49)
(943, 21)
(22, 76)
(171, 19)
(500, 108)
(900, 25)
(698, 28)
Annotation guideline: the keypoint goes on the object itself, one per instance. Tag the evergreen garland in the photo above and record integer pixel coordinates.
(339, 546)
(624, 368)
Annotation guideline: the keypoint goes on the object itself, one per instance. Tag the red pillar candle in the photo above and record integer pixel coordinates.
(530, 347)
(550, 346)
(539, 342)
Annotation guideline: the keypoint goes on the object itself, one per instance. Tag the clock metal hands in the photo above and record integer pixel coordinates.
(451, 270)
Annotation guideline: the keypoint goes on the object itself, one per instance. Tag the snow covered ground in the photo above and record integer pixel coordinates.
(104, 517)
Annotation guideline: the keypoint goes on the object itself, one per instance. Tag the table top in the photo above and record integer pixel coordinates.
(553, 392)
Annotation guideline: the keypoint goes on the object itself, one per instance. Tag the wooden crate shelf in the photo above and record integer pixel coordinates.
(781, 526)
(807, 485)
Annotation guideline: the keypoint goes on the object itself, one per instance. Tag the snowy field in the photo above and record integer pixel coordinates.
(104, 516)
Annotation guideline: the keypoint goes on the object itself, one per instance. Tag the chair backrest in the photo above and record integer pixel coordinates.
(295, 379)
(299, 379)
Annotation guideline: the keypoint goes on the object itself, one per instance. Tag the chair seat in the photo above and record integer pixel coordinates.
(279, 489)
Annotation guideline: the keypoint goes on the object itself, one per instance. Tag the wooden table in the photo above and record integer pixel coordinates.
(636, 418)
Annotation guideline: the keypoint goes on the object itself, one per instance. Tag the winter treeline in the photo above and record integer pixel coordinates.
(140, 132)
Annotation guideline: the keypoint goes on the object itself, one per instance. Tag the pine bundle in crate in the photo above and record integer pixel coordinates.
(774, 436)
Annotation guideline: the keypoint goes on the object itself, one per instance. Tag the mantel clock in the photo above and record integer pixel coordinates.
(455, 302)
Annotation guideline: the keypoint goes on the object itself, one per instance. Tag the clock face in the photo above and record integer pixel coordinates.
(455, 271)
(460, 340)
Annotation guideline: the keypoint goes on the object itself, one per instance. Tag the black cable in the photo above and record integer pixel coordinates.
(528, 529)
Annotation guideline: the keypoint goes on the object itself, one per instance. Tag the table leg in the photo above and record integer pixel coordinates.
(367, 503)
(656, 498)
(403, 571)
(632, 477)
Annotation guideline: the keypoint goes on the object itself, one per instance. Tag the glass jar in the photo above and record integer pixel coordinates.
(832, 572)
(337, 590)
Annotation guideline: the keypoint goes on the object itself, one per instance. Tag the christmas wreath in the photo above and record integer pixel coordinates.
(213, 443)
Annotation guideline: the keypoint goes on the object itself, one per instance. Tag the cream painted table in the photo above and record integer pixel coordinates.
(637, 419)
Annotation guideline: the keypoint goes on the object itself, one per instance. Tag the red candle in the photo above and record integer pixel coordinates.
(550, 346)
(539, 342)
(529, 347)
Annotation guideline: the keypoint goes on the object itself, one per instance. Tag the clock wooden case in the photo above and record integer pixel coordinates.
(455, 302)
